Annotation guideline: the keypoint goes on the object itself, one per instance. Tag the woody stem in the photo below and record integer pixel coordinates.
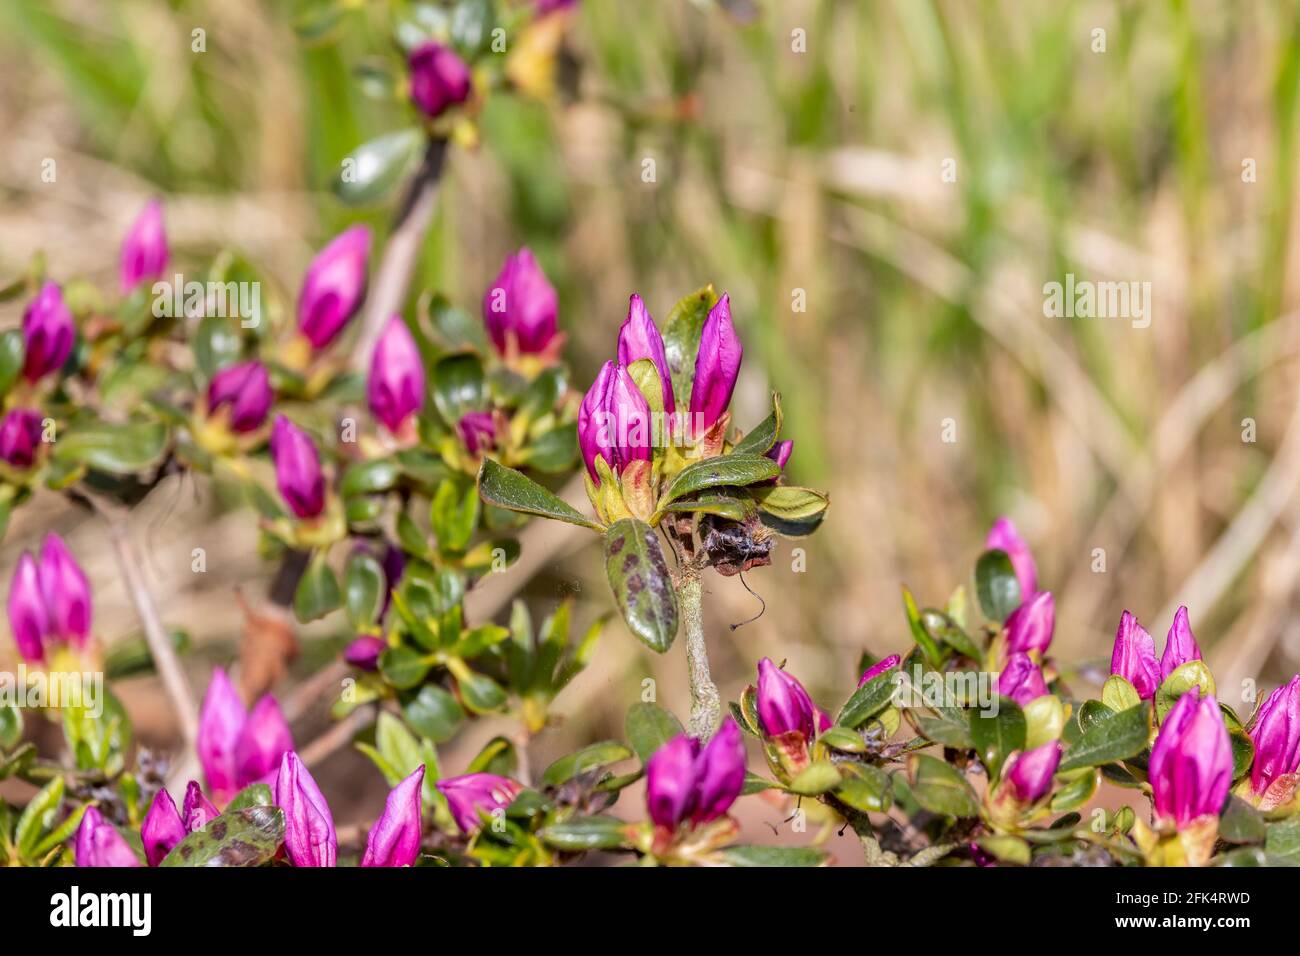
(706, 705)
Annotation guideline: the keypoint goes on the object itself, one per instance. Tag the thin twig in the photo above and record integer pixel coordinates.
(706, 705)
(168, 665)
(388, 291)
(337, 737)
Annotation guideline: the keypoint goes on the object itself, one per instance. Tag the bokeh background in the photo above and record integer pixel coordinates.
(914, 170)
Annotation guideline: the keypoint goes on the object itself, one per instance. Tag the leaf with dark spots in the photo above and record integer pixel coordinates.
(641, 582)
(247, 837)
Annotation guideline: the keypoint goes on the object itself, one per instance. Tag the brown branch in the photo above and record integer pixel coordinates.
(337, 737)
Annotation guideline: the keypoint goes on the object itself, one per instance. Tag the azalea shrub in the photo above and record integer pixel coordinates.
(391, 446)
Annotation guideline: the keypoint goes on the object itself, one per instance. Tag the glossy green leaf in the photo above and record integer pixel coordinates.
(12, 356)
(640, 580)
(760, 439)
(997, 735)
(364, 589)
(458, 385)
(648, 727)
(247, 837)
(38, 816)
(1241, 823)
(507, 488)
(454, 514)
(815, 779)
(949, 726)
(940, 788)
(317, 593)
(403, 666)
(371, 170)
(370, 477)
(1115, 736)
(587, 833)
(996, 585)
(434, 713)
(254, 795)
(592, 757)
(868, 700)
(1184, 678)
(117, 449)
(682, 339)
(730, 470)
(766, 856)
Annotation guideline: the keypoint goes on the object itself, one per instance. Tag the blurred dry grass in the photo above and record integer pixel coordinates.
(778, 171)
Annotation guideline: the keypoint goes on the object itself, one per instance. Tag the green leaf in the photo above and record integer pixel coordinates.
(454, 514)
(1282, 843)
(370, 477)
(375, 167)
(498, 756)
(949, 726)
(254, 795)
(117, 449)
(842, 739)
(592, 757)
(791, 503)
(38, 816)
(1179, 682)
(730, 470)
(1075, 793)
(12, 356)
(815, 779)
(587, 833)
(682, 331)
(743, 854)
(1007, 848)
(865, 788)
(1118, 694)
(364, 588)
(941, 789)
(11, 725)
(998, 735)
(403, 666)
(247, 837)
(1115, 736)
(648, 727)
(868, 700)
(929, 647)
(507, 488)
(434, 713)
(481, 693)
(1241, 823)
(996, 585)
(397, 745)
(733, 509)
(760, 439)
(1243, 752)
(317, 593)
(642, 585)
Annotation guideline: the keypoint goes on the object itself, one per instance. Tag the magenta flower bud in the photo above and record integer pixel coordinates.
(628, 420)
(334, 286)
(1180, 645)
(297, 469)
(394, 840)
(719, 773)
(1030, 626)
(364, 652)
(471, 794)
(197, 811)
(1021, 679)
(66, 592)
(395, 388)
(783, 704)
(309, 836)
(521, 304)
(478, 431)
(263, 741)
(99, 843)
(1028, 775)
(27, 618)
(144, 250)
(717, 363)
(1276, 733)
(593, 426)
(1004, 537)
(1191, 761)
(878, 668)
(670, 781)
(244, 389)
(48, 333)
(221, 719)
(162, 828)
(439, 78)
(1134, 656)
(780, 452)
(20, 436)
(638, 339)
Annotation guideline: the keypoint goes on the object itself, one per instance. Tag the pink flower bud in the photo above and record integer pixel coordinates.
(27, 618)
(48, 333)
(1191, 761)
(1134, 656)
(245, 390)
(144, 250)
(1276, 733)
(162, 828)
(1030, 626)
(1180, 645)
(394, 840)
(309, 835)
(878, 668)
(395, 387)
(473, 794)
(20, 437)
(297, 469)
(334, 286)
(99, 843)
(439, 78)
(1021, 679)
(638, 339)
(1003, 536)
(717, 364)
(197, 811)
(783, 704)
(521, 304)
(1028, 775)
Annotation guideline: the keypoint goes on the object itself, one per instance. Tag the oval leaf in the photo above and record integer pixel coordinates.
(642, 586)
